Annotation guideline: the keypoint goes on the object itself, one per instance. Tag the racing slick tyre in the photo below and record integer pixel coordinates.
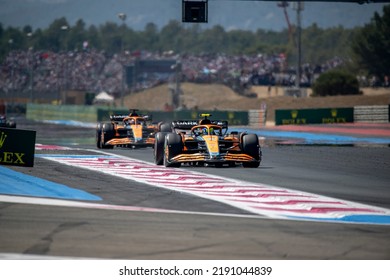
(106, 135)
(98, 134)
(164, 127)
(241, 136)
(172, 147)
(158, 152)
(250, 146)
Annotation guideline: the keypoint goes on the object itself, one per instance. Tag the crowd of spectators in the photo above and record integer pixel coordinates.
(94, 71)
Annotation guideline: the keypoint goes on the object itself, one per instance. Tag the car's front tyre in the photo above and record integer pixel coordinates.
(158, 152)
(107, 133)
(250, 146)
(172, 147)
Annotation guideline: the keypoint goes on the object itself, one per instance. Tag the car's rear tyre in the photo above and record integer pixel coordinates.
(107, 134)
(172, 147)
(164, 127)
(98, 135)
(251, 146)
(241, 136)
(158, 152)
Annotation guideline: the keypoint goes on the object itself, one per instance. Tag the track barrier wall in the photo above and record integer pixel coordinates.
(42, 112)
(234, 118)
(372, 114)
(254, 118)
(366, 114)
(257, 118)
(311, 116)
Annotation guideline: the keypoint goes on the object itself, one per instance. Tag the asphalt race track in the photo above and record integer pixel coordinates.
(318, 201)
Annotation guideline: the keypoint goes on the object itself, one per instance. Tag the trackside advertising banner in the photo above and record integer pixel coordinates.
(310, 116)
(17, 147)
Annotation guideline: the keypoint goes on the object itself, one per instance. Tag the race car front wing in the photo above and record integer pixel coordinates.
(124, 142)
(221, 158)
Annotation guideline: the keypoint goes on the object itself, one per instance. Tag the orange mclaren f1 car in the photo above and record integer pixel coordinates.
(206, 142)
(129, 131)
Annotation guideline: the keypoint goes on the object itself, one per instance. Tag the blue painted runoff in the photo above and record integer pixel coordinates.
(313, 138)
(17, 183)
(309, 138)
(360, 219)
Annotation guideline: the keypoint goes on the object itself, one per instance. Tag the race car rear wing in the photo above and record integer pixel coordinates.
(184, 124)
(188, 124)
(119, 118)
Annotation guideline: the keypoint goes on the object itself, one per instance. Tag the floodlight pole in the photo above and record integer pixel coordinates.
(65, 28)
(31, 49)
(177, 87)
(298, 7)
(122, 16)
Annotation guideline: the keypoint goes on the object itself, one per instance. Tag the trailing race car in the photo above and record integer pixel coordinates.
(6, 123)
(206, 142)
(129, 131)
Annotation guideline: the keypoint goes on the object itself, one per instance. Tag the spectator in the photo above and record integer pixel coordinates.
(91, 70)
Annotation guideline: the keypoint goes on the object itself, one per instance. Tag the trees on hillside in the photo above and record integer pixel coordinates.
(371, 45)
(336, 82)
(112, 38)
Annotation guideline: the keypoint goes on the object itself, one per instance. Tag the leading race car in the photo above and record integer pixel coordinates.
(129, 131)
(206, 142)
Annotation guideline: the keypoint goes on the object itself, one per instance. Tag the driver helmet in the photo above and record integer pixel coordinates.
(204, 131)
(212, 131)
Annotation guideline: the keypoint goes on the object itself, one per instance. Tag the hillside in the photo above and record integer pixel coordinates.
(209, 97)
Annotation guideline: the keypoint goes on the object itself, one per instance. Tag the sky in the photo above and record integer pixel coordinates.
(231, 14)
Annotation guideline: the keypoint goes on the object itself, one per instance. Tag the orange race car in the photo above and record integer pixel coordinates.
(129, 131)
(206, 142)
